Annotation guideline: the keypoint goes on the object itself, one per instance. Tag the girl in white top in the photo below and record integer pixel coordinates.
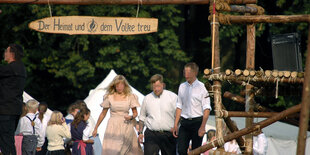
(56, 130)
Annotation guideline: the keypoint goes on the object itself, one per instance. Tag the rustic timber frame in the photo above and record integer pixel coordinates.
(253, 15)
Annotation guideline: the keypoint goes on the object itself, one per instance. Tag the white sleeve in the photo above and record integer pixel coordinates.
(86, 132)
(39, 132)
(205, 99)
(65, 131)
(142, 115)
(179, 100)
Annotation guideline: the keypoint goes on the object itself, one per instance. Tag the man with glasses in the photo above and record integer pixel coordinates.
(12, 83)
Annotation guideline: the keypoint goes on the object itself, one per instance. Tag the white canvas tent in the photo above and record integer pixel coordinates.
(282, 137)
(27, 97)
(95, 98)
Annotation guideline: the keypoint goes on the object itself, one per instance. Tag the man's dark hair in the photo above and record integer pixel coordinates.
(17, 50)
(193, 66)
(157, 77)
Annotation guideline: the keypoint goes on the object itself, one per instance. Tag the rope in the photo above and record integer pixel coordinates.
(221, 113)
(224, 19)
(138, 8)
(221, 141)
(212, 142)
(277, 88)
(49, 7)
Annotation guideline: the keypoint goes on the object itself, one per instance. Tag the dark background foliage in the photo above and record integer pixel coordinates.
(63, 68)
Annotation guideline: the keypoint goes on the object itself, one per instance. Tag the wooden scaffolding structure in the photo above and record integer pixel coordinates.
(253, 14)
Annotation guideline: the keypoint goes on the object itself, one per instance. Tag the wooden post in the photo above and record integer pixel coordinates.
(249, 102)
(247, 130)
(305, 105)
(234, 19)
(216, 67)
(225, 114)
(123, 2)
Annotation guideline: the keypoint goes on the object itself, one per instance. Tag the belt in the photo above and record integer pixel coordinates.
(159, 131)
(191, 119)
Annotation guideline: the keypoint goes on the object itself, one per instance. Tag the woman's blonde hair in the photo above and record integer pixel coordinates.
(56, 118)
(111, 89)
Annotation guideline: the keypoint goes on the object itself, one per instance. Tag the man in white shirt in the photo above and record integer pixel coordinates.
(157, 114)
(192, 112)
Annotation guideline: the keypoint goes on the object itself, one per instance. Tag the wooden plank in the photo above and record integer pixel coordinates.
(250, 19)
(73, 25)
(123, 2)
(247, 130)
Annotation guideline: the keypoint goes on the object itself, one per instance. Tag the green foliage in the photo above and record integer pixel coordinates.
(62, 68)
(75, 64)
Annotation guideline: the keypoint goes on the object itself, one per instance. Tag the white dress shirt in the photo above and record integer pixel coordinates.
(260, 144)
(193, 99)
(46, 119)
(158, 113)
(24, 127)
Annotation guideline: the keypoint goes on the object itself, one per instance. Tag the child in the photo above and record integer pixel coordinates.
(56, 130)
(44, 118)
(31, 129)
(72, 111)
(80, 131)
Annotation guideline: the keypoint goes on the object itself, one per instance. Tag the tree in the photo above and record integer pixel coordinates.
(63, 68)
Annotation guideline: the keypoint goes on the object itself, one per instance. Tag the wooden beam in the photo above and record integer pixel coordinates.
(254, 127)
(305, 105)
(122, 2)
(225, 114)
(216, 65)
(254, 9)
(250, 19)
(253, 80)
(249, 95)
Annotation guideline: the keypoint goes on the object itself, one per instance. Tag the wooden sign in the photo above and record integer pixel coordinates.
(95, 25)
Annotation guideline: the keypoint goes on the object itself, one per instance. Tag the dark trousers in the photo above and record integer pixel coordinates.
(29, 145)
(7, 129)
(57, 152)
(189, 131)
(155, 141)
(43, 148)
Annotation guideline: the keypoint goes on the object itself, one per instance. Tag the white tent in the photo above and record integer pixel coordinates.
(282, 137)
(27, 97)
(95, 98)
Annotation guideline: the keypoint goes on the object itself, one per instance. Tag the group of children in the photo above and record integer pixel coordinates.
(39, 130)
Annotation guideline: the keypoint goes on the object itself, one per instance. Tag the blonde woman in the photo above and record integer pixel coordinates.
(56, 130)
(120, 137)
